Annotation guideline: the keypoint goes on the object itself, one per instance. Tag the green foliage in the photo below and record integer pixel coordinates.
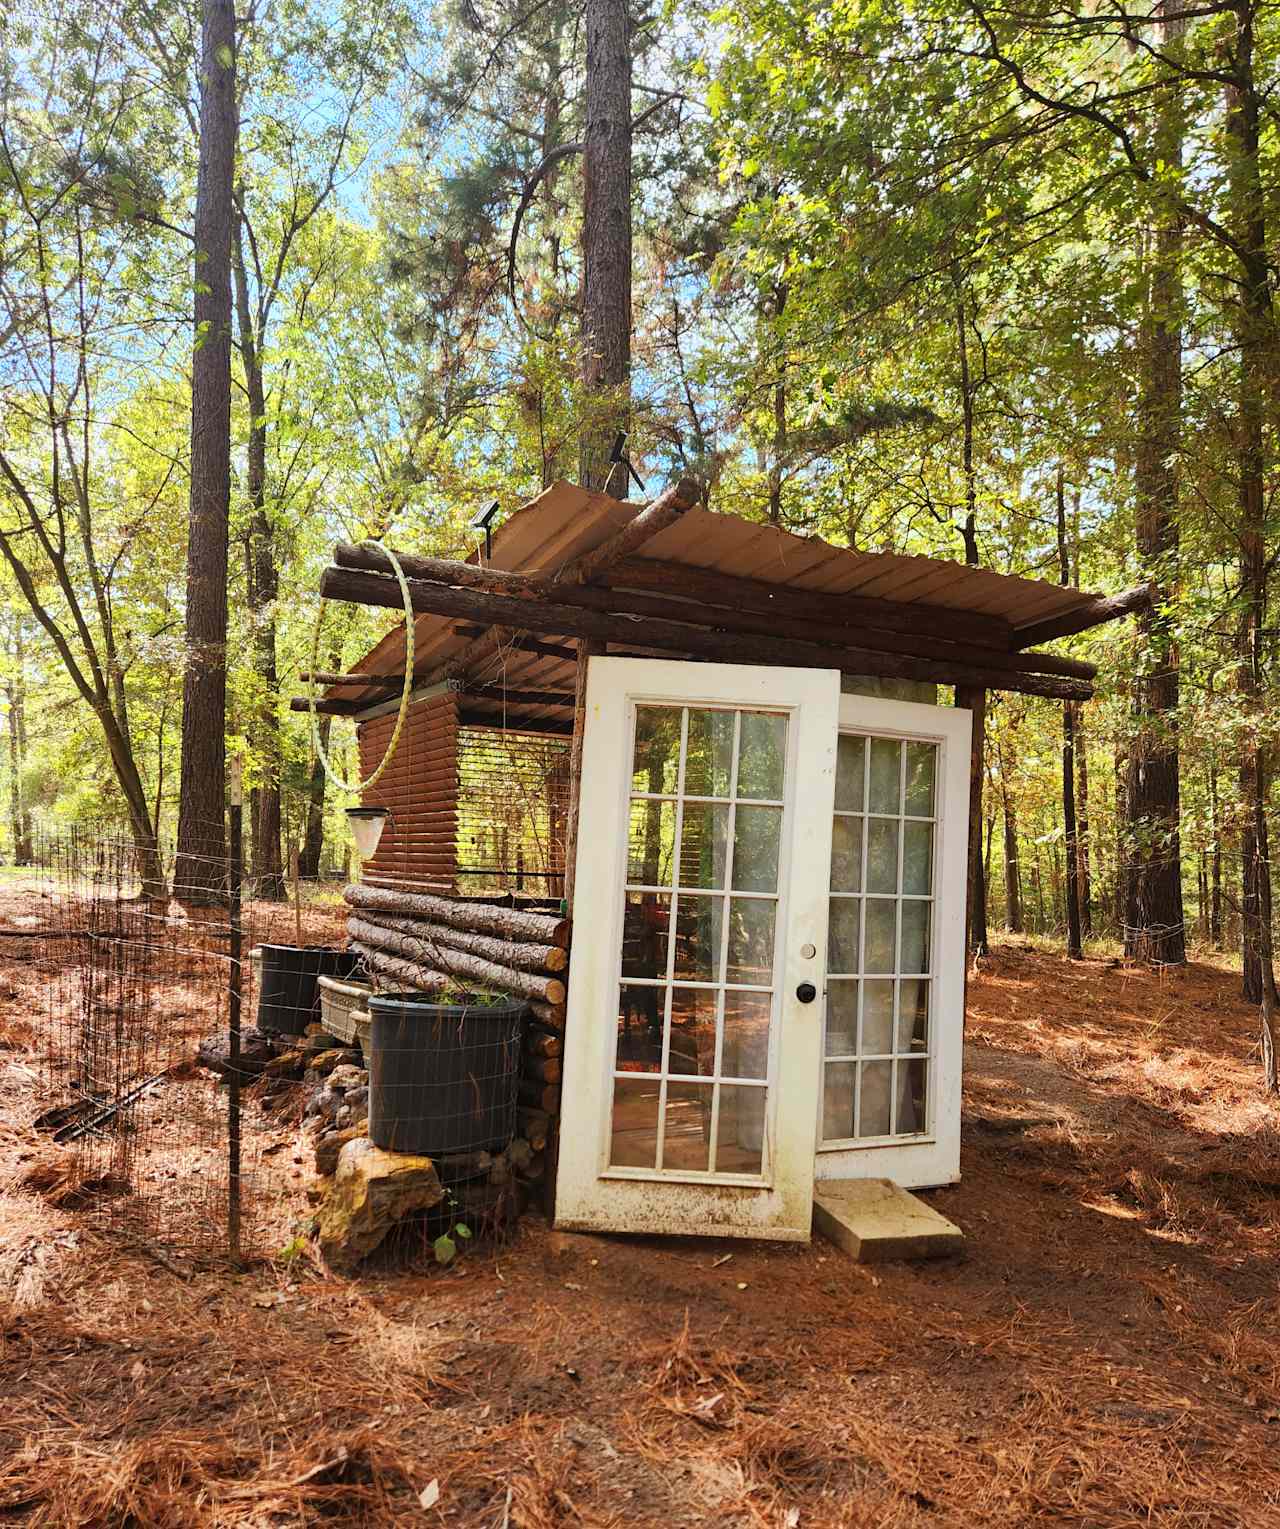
(892, 270)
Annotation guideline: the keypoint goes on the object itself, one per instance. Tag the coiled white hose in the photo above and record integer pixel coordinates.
(363, 785)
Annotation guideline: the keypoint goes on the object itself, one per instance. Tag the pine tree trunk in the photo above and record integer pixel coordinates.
(313, 837)
(262, 583)
(15, 784)
(21, 844)
(268, 867)
(200, 870)
(1082, 827)
(779, 450)
(20, 818)
(1255, 335)
(1215, 861)
(606, 242)
(1012, 871)
(975, 699)
(1071, 844)
(969, 530)
(1202, 896)
(1153, 915)
(20, 722)
(1059, 907)
(1123, 881)
(977, 941)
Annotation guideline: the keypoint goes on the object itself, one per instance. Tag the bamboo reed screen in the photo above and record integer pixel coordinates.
(513, 795)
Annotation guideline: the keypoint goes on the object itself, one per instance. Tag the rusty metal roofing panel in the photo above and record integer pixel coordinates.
(565, 521)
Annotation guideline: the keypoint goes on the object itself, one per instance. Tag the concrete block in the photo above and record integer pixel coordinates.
(874, 1220)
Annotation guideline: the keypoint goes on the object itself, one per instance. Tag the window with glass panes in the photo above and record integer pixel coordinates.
(697, 977)
(880, 938)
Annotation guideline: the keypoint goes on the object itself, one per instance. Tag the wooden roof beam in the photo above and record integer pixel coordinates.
(923, 643)
(552, 649)
(526, 644)
(667, 508)
(655, 517)
(1096, 611)
(513, 695)
(369, 681)
(744, 605)
(749, 594)
(558, 619)
(331, 707)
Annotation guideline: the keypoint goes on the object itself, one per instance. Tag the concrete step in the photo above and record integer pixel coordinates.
(875, 1220)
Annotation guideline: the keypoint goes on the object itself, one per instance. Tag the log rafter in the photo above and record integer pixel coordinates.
(1094, 612)
(541, 614)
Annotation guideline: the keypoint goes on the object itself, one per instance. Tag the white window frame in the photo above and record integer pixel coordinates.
(931, 1157)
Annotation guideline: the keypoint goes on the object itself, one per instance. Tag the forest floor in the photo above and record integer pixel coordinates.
(1106, 1352)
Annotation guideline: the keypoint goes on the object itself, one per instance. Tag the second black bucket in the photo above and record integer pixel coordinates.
(288, 998)
(443, 1077)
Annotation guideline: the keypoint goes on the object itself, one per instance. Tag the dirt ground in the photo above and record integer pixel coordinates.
(1106, 1351)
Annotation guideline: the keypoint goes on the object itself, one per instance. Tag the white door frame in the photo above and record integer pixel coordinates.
(934, 1156)
(591, 1195)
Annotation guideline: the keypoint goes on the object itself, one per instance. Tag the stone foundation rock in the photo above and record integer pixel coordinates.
(257, 1050)
(372, 1191)
(331, 1144)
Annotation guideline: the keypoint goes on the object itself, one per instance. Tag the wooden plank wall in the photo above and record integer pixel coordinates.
(420, 787)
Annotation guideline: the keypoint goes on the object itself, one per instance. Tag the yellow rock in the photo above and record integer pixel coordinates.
(371, 1191)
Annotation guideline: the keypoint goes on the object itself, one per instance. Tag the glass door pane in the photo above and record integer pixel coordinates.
(697, 982)
(880, 943)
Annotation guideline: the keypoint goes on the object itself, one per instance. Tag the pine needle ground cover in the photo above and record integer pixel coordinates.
(1105, 1353)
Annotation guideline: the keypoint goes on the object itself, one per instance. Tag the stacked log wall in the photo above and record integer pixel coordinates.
(411, 937)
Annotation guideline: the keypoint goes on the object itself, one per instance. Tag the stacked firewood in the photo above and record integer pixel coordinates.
(438, 943)
(435, 944)
(539, 1111)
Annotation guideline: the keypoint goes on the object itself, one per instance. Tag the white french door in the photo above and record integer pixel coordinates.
(894, 1019)
(695, 1023)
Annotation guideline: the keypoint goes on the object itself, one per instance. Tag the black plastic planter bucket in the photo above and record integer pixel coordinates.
(288, 999)
(443, 1077)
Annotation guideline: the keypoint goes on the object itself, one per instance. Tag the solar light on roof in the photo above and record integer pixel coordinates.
(482, 520)
(618, 456)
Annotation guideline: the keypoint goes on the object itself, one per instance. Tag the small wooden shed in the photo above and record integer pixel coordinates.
(720, 747)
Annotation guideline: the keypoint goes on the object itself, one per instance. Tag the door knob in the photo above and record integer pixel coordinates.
(806, 992)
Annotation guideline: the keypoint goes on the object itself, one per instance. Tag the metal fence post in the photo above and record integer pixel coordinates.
(235, 866)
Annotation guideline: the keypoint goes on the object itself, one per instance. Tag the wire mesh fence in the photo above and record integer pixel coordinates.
(139, 998)
(187, 1038)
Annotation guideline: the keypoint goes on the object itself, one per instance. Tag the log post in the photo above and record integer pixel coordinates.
(369, 681)
(588, 648)
(975, 700)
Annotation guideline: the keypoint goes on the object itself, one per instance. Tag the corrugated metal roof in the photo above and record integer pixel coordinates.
(565, 521)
